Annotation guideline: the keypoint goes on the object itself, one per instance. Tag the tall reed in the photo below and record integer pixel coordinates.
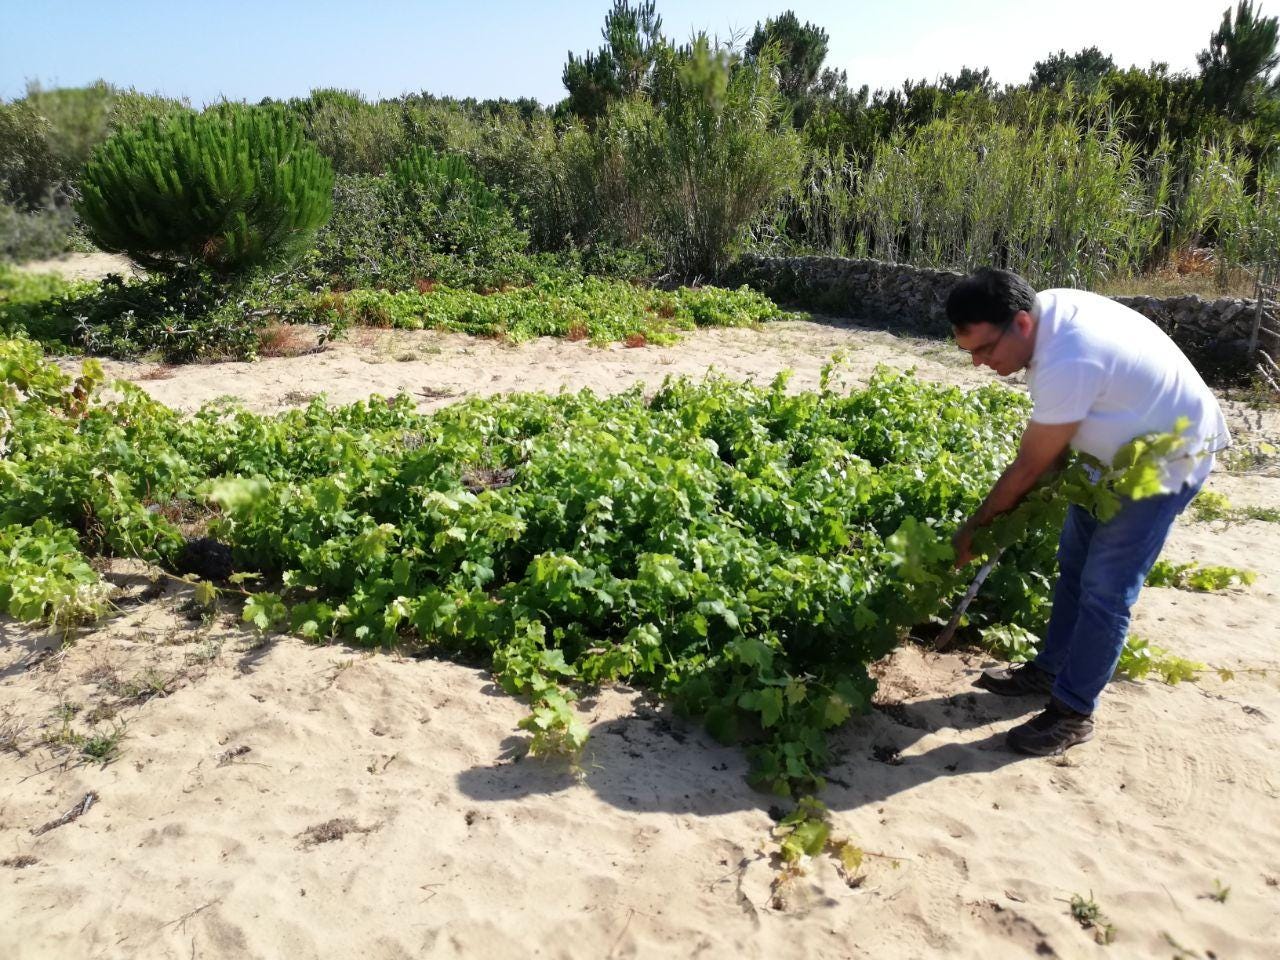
(1065, 197)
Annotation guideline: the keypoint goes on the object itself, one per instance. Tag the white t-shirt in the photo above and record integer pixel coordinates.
(1109, 367)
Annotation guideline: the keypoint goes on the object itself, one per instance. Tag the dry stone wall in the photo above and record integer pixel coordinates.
(1213, 333)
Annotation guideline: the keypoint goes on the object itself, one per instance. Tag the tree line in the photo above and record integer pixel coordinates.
(671, 156)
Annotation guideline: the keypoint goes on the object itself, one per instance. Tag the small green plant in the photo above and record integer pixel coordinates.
(145, 685)
(1254, 512)
(1179, 951)
(99, 746)
(1089, 915)
(1247, 457)
(807, 832)
(63, 735)
(208, 650)
(102, 747)
(1010, 642)
(1206, 579)
(12, 730)
(1139, 659)
(537, 674)
(1220, 892)
(1210, 505)
(264, 611)
(45, 577)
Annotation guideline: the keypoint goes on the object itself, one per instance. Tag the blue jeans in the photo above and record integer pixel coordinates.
(1101, 570)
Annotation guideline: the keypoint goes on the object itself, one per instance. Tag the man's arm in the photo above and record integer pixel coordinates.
(1043, 447)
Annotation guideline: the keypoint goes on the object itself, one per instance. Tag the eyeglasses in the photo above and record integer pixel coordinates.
(986, 351)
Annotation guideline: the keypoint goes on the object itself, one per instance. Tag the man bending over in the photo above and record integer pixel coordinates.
(1100, 375)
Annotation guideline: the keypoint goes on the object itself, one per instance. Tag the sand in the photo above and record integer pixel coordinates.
(83, 266)
(213, 833)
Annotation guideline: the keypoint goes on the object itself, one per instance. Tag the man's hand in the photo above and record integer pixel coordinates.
(1042, 447)
(962, 543)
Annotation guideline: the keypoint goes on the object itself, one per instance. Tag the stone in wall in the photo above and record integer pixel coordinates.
(1213, 333)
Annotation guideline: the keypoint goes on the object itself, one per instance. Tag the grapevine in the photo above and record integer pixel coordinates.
(744, 551)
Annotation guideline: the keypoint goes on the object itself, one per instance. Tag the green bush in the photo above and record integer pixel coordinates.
(550, 172)
(45, 138)
(31, 303)
(76, 120)
(393, 233)
(34, 222)
(176, 318)
(28, 167)
(696, 165)
(442, 177)
(36, 234)
(226, 190)
(357, 137)
(641, 260)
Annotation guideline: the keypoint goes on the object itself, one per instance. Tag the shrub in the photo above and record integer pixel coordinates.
(36, 234)
(696, 165)
(442, 177)
(450, 206)
(177, 318)
(30, 303)
(44, 140)
(550, 172)
(28, 166)
(388, 232)
(172, 318)
(76, 120)
(624, 262)
(357, 137)
(228, 189)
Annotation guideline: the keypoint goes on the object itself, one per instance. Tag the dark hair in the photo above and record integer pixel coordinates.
(989, 296)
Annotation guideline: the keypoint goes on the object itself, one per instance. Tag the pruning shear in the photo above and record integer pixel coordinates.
(948, 634)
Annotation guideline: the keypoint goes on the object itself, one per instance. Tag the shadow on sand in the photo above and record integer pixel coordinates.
(653, 761)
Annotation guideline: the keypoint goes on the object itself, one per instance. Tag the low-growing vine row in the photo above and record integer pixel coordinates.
(744, 551)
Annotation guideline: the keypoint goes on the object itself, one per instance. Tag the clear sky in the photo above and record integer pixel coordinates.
(243, 49)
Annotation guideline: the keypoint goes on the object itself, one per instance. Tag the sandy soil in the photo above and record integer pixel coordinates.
(437, 367)
(213, 832)
(82, 266)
